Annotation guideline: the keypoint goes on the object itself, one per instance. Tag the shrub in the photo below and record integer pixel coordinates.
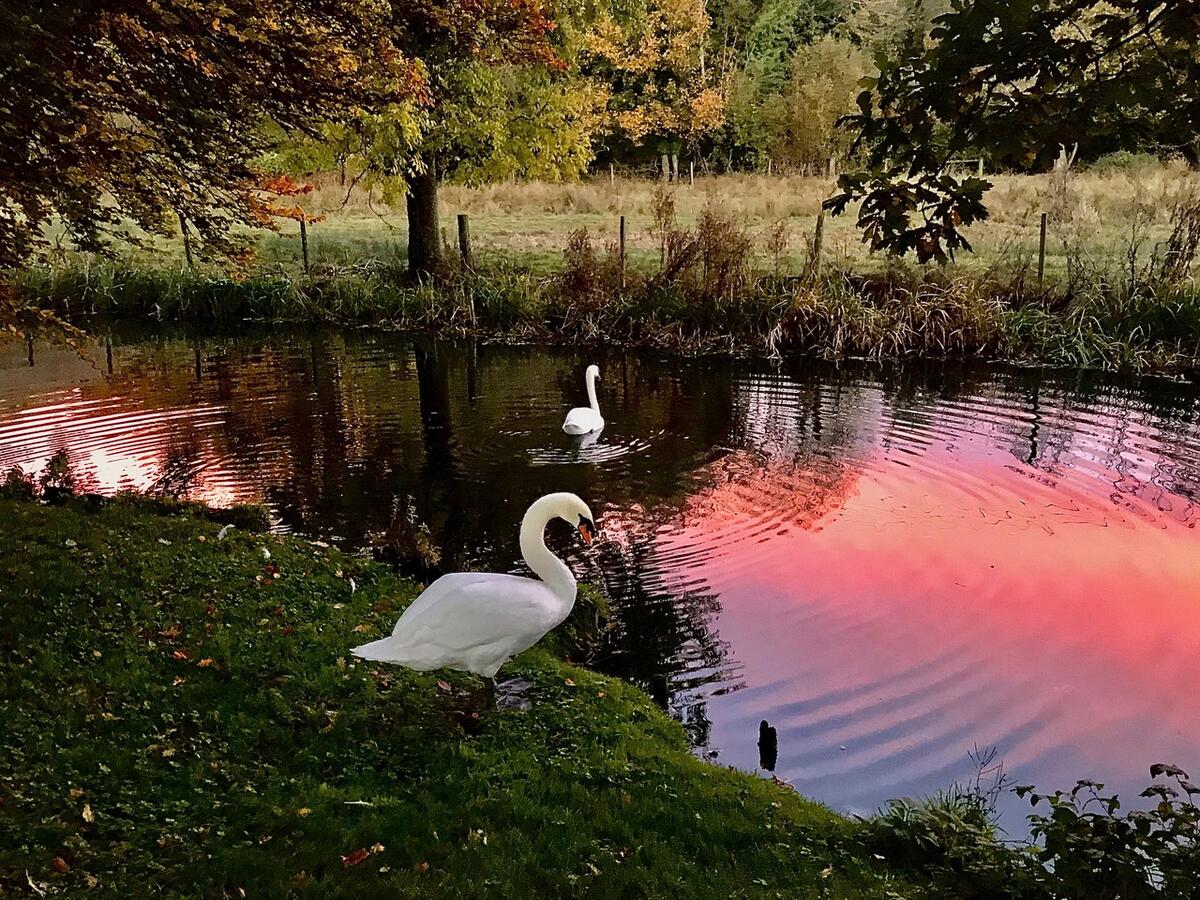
(1125, 161)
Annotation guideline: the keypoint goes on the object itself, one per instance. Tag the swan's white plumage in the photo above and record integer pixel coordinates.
(584, 419)
(477, 621)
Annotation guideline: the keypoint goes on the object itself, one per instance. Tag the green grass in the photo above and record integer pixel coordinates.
(182, 718)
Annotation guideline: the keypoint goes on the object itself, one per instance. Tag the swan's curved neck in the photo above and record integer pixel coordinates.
(538, 557)
(591, 389)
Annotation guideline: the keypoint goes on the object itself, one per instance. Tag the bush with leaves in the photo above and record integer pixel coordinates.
(1091, 849)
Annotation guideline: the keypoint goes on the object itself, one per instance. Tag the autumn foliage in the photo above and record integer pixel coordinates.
(142, 112)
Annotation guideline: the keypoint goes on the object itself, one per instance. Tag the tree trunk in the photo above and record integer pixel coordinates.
(666, 167)
(674, 166)
(424, 237)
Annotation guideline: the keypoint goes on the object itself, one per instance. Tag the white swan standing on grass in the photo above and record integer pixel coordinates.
(583, 419)
(478, 621)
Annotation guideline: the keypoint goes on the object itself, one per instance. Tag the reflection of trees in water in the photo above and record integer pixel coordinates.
(182, 459)
(662, 637)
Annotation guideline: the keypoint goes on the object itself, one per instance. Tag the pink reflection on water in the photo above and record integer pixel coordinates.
(930, 602)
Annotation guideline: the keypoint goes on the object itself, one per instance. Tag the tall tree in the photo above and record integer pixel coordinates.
(461, 44)
(120, 116)
(1021, 78)
(663, 89)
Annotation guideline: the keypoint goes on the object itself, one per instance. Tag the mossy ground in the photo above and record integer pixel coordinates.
(182, 718)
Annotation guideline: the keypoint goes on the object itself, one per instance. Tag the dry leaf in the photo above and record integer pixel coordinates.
(303, 811)
(172, 631)
(354, 858)
(88, 815)
(60, 865)
(422, 867)
(205, 663)
(568, 682)
(181, 655)
(363, 628)
(75, 793)
(443, 686)
(377, 848)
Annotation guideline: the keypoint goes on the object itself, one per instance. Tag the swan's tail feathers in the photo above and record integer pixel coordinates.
(574, 429)
(386, 649)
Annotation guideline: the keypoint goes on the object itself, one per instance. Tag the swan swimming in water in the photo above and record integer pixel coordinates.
(478, 621)
(583, 419)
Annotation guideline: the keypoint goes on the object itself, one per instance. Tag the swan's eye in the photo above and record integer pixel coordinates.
(587, 529)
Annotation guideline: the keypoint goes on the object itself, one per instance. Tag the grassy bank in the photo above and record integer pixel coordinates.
(711, 303)
(182, 719)
(729, 264)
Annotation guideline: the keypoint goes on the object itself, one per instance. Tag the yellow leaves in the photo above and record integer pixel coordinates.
(205, 663)
(88, 815)
(303, 812)
(364, 628)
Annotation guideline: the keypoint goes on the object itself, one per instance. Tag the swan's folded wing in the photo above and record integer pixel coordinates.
(483, 609)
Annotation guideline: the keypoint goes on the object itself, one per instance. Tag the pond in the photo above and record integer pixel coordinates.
(891, 566)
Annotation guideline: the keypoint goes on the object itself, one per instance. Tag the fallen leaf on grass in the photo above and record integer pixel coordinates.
(363, 628)
(568, 682)
(377, 848)
(205, 663)
(75, 793)
(444, 686)
(60, 865)
(354, 858)
(422, 867)
(90, 880)
(181, 655)
(88, 815)
(303, 811)
(172, 631)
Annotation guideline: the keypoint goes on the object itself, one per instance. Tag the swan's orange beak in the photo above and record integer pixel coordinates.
(587, 530)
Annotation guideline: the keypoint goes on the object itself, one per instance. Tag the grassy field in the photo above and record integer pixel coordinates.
(1092, 217)
(182, 719)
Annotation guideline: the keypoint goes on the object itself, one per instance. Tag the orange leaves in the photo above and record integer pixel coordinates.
(264, 209)
(284, 185)
(354, 857)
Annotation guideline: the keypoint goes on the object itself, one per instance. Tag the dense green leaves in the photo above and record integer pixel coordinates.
(1016, 80)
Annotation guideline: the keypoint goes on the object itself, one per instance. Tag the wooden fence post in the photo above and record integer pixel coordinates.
(818, 239)
(621, 244)
(187, 241)
(304, 241)
(692, 174)
(464, 240)
(981, 167)
(612, 175)
(1042, 251)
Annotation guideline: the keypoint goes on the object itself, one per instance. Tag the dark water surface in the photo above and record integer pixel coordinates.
(891, 567)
